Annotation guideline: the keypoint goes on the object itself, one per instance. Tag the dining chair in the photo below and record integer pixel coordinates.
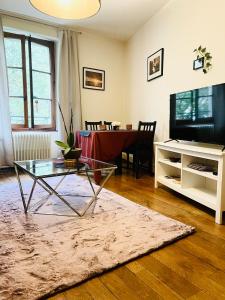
(142, 149)
(89, 125)
(147, 126)
(108, 125)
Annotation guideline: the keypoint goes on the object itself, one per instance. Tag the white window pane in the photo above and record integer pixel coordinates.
(205, 91)
(13, 52)
(183, 109)
(15, 78)
(17, 110)
(205, 107)
(41, 85)
(42, 112)
(40, 58)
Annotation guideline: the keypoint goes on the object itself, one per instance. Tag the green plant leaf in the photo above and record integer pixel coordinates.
(70, 139)
(67, 150)
(200, 48)
(204, 50)
(208, 64)
(204, 71)
(61, 144)
(64, 123)
(195, 50)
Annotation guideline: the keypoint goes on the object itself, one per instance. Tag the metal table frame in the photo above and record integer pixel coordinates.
(52, 190)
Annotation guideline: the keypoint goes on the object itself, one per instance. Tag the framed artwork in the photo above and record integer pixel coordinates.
(155, 65)
(93, 79)
(198, 63)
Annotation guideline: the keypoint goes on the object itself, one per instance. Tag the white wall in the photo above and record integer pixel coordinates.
(179, 28)
(99, 52)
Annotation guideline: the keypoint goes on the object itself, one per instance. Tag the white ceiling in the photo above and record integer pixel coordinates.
(119, 19)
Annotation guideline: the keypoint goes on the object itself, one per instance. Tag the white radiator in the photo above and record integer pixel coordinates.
(31, 145)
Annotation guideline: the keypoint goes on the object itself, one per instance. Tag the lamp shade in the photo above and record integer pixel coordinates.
(68, 9)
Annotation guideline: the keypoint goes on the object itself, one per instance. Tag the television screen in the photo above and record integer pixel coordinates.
(199, 115)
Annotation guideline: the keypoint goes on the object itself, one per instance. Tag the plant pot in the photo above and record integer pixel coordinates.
(73, 154)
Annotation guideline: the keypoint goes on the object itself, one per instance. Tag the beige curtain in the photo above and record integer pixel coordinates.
(6, 145)
(68, 80)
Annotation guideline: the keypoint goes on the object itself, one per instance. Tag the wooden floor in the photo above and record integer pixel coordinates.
(192, 268)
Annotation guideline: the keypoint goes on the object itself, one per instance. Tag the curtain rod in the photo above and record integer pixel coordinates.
(38, 21)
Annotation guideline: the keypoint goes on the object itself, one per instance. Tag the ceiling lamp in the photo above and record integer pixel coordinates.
(68, 9)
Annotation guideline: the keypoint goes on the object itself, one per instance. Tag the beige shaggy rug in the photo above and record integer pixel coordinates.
(44, 253)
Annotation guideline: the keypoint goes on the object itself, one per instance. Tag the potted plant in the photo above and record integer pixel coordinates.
(68, 148)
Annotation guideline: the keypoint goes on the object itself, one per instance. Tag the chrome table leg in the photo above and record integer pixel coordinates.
(59, 196)
(25, 205)
(21, 188)
(96, 193)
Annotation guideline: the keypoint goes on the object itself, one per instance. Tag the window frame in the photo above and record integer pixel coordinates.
(23, 58)
(194, 104)
(51, 46)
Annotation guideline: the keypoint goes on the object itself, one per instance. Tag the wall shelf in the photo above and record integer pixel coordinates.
(202, 187)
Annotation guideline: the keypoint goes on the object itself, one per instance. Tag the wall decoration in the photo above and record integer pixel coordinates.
(93, 79)
(155, 65)
(198, 63)
(203, 60)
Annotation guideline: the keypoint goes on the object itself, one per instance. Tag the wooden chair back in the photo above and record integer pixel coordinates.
(92, 125)
(147, 126)
(146, 134)
(108, 125)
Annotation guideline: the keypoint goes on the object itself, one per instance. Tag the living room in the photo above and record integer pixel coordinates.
(96, 212)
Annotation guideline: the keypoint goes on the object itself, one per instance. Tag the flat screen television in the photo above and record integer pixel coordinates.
(199, 115)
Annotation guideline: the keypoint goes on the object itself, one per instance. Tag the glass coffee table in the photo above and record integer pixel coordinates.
(40, 170)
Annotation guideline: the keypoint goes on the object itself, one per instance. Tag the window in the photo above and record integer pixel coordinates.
(194, 106)
(31, 78)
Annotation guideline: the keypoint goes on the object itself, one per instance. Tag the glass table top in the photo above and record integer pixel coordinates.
(56, 167)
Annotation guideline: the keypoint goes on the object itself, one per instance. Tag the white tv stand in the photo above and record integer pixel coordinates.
(202, 187)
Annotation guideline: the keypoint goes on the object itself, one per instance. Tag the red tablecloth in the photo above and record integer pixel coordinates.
(105, 145)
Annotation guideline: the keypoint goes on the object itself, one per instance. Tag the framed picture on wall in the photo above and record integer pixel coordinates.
(198, 63)
(93, 79)
(155, 65)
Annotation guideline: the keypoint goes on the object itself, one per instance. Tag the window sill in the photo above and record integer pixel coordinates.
(34, 129)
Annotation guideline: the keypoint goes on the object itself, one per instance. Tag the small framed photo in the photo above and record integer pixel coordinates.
(198, 63)
(93, 79)
(155, 65)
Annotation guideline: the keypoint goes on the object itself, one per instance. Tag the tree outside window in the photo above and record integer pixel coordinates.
(194, 105)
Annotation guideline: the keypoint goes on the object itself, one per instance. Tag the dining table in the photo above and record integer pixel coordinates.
(107, 145)
(104, 145)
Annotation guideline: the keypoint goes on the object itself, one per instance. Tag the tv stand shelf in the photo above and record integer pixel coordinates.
(201, 186)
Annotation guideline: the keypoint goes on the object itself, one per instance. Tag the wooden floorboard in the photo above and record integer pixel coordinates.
(192, 268)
